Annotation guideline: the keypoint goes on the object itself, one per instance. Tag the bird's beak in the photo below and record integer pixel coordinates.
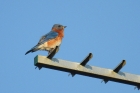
(65, 26)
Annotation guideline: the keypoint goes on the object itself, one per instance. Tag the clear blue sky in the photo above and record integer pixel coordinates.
(110, 29)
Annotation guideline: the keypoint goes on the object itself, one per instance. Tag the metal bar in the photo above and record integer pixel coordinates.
(87, 70)
(119, 67)
(84, 62)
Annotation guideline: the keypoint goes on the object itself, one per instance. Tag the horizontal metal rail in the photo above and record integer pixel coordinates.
(87, 70)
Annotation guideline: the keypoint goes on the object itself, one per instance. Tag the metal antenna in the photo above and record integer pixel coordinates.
(82, 68)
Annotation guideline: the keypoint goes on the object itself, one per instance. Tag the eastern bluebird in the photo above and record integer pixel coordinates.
(49, 41)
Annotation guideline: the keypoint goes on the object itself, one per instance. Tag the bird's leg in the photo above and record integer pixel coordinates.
(52, 52)
(57, 49)
(52, 49)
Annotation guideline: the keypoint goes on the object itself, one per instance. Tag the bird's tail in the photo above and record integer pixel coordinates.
(32, 50)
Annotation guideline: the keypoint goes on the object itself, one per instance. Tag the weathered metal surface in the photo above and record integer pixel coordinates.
(84, 62)
(117, 69)
(50, 56)
(87, 70)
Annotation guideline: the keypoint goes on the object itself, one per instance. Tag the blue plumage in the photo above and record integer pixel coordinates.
(49, 41)
(47, 37)
(43, 39)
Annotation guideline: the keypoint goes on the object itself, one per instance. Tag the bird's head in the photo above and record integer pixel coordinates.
(58, 27)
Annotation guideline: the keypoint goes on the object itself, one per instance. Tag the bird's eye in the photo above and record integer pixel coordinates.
(59, 26)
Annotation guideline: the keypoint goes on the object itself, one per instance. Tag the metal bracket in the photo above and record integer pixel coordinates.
(83, 63)
(117, 69)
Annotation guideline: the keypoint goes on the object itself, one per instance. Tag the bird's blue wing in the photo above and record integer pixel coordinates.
(47, 37)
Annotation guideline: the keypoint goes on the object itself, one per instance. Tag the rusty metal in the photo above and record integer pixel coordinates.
(87, 70)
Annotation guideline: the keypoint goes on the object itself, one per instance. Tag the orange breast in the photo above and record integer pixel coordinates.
(59, 31)
(54, 42)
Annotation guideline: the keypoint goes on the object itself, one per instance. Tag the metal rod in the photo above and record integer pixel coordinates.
(84, 62)
(119, 67)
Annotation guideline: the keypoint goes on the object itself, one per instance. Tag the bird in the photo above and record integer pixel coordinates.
(49, 41)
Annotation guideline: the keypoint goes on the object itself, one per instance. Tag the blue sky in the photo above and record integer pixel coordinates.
(110, 29)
